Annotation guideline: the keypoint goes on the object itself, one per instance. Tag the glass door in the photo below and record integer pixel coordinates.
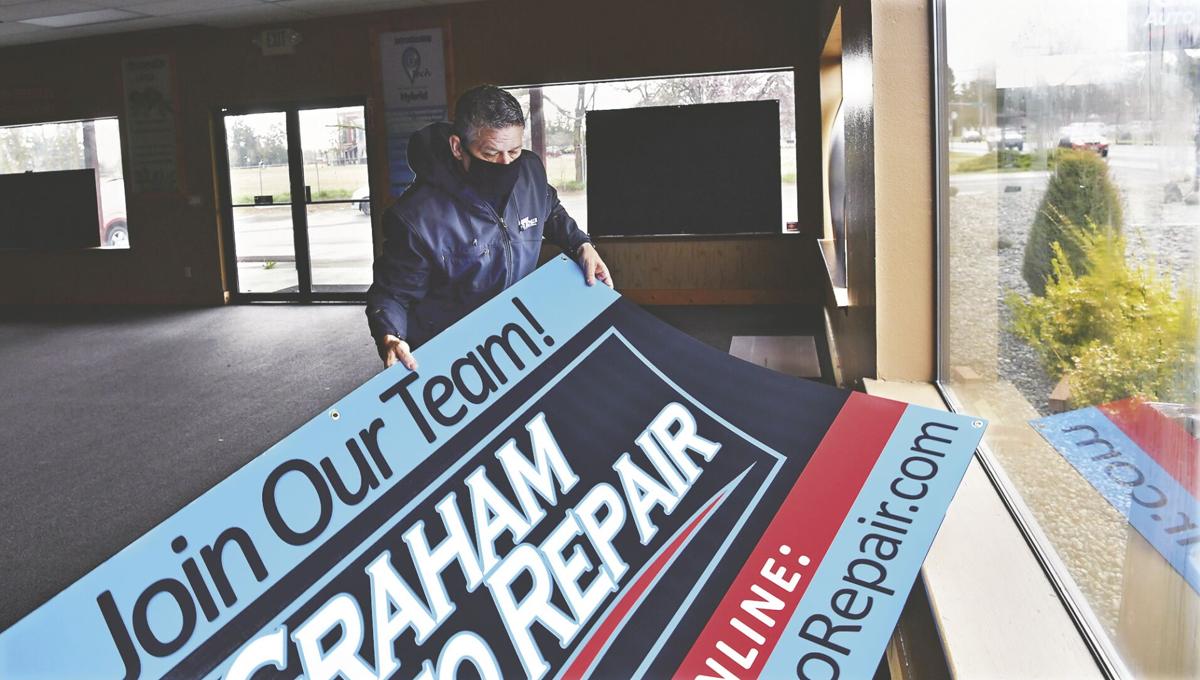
(297, 206)
(261, 213)
(338, 198)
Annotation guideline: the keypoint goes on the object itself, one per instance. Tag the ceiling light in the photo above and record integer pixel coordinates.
(99, 16)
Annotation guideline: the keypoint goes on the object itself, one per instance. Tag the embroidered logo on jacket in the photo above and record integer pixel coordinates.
(527, 222)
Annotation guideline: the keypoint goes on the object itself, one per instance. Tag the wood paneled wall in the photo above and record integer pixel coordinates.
(686, 270)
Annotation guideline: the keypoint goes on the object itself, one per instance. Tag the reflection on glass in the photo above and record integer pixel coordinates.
(258, 158)
(1070, 273)
(266, 255)
(339, 223)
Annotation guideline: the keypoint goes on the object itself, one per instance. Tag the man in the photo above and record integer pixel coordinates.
(469, 227)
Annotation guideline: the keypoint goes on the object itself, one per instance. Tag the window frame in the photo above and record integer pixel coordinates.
(1102, 649)
(508, 87)
(119, 119)
(299, 216)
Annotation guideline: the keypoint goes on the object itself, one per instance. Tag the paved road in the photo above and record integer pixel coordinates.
(339, 238)
(1133, 167)
(991, 182)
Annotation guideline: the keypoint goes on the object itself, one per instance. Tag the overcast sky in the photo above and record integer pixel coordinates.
(978, 34)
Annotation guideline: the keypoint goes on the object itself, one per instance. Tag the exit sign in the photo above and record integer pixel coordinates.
(275, 41)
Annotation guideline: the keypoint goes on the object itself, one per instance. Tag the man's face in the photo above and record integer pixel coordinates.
(493, 145)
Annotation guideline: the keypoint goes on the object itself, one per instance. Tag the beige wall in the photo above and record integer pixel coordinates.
(888, 330)
(904, 165)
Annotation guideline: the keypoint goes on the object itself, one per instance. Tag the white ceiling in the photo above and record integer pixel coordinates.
(26, 21)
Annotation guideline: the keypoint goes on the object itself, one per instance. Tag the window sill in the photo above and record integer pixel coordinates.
(996, 611)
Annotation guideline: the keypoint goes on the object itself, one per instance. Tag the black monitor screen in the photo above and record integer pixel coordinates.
(699, 169)
(57, 209)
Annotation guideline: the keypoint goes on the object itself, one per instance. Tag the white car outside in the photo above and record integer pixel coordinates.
(363, 197)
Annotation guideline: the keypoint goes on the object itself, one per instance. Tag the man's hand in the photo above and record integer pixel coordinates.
(394, 349)
(593, 267)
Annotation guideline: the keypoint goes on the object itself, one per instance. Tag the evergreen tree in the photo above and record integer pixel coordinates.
(1080, 192)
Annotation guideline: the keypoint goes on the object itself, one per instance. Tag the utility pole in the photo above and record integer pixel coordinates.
(90, 159)
(1195, 178)
(537, 122)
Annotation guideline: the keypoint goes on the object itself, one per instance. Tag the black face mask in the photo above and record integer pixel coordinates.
(493, 181)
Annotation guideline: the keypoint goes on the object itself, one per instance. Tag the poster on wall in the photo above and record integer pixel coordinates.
(413, 70)
(566, 487)
(150, 124)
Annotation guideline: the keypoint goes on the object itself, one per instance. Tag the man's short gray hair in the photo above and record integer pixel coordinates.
(486, 106)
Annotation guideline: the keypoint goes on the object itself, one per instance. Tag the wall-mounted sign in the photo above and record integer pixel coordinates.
(567, 487)
(413, 72)
(1163, 25)
(150, 120)
(277, 41)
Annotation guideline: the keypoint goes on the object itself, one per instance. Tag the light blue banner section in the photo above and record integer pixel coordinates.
(1153, 501)
(925, 457)
(68, 638)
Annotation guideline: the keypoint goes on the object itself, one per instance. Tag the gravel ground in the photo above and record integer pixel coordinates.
(1163, 234)
(1120, 578)
(1018, 363)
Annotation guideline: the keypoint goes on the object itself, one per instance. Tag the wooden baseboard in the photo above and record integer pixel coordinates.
(701, 296)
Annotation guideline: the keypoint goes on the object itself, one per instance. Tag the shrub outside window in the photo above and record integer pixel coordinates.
(74, 145)
(1070, 142)
(556, 115)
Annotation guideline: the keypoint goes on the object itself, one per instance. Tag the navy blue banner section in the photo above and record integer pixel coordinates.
(566, 488)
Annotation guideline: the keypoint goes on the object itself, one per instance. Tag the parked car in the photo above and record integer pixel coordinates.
(972, 135)
(114, 230)
(1088, 136)
(1005, 138)
(363, 196)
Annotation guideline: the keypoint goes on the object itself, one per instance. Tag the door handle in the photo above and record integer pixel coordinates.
(307, 194)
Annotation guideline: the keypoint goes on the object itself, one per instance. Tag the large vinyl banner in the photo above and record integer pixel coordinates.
(565, 488)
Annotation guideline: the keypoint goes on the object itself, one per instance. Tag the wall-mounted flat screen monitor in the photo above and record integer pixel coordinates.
(49, 210)
(702, 169)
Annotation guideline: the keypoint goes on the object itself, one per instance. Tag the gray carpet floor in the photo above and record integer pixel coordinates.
(115, 419)
(111, 419)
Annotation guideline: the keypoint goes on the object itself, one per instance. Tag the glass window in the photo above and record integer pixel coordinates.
(557, 115)
(1070, 222)
(74, 145)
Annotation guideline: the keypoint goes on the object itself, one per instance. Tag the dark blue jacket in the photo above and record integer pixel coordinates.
(446, 251)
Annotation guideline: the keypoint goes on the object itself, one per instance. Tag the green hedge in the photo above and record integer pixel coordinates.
(1116, 330)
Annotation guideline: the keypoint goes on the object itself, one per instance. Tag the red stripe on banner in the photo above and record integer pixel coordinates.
(606, 628)
(1167, 442)
(739, 636)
